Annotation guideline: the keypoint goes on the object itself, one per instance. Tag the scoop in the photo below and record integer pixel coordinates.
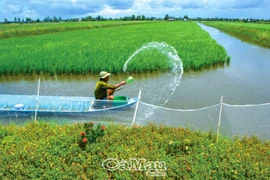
(129, 80)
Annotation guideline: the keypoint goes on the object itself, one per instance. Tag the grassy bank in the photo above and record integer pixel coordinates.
(258, 34)
(92, 50)
(46, 150)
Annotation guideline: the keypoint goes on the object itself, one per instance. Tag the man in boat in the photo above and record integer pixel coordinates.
(103, 90)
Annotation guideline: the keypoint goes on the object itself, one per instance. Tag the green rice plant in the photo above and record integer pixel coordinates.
(20, 30)
(258, 34)
(93, 50)
(149, 60)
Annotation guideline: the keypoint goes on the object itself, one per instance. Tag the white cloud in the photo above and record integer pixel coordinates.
(117, 8)
(108, 12)
(12, 8)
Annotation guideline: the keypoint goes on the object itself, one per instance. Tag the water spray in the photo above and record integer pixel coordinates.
(176, 65)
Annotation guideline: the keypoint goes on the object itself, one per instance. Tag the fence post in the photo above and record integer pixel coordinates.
(219, 119)
(37, 99)
(135, 113)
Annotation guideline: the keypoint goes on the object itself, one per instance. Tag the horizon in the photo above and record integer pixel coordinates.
(70, 9)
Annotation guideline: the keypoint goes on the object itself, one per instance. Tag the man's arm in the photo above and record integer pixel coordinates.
(120, 84)
(110, 86)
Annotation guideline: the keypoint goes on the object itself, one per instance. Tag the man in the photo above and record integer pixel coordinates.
(103, 90)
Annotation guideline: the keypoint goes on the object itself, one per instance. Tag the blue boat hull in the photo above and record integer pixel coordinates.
(25, 105)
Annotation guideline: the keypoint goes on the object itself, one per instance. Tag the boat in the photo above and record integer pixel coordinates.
(65, 105)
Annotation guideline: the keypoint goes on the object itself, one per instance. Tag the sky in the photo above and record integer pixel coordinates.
(39, 9)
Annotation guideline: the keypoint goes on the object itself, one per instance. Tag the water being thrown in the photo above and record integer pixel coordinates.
(159, 89)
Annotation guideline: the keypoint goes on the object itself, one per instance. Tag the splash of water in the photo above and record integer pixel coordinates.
(176, 69)
(163, 48)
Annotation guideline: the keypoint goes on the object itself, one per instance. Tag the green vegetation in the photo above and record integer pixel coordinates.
(92, 50)
(249, 32)
(47, 150)
(20, 30)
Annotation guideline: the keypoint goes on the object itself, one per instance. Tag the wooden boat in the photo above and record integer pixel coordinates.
(66, 105)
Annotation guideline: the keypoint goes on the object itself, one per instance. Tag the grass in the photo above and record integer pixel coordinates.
(91, 50)
(46, 150)
(258, 34)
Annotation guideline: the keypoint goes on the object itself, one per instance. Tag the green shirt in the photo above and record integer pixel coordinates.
(101, 89)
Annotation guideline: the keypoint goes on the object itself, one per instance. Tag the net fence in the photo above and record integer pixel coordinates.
(241, 120)
(204, 119)
(238, 120)
(246, 120)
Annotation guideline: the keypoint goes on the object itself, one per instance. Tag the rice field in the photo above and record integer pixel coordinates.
(28, 29)
(258, 34)
(92, 50)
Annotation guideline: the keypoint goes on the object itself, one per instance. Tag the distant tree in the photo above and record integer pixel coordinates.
(88, 18)
(132, 17)
(38, 20)
(126, 18)
(19, 20)
(15, 19)
(143, 17)
(186, 17)
(138, 17)
(166, 17)
(47, 19)
(55, 19)
(6, 20)
(28, 20)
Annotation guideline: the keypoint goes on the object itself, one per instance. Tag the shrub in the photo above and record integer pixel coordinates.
(91, 134)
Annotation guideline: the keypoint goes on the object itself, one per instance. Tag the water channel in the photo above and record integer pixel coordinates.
(245, 80)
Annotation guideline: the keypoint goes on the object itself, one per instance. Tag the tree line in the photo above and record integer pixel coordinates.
(125, 18)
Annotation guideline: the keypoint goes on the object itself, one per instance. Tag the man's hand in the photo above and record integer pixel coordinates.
(123, 83)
